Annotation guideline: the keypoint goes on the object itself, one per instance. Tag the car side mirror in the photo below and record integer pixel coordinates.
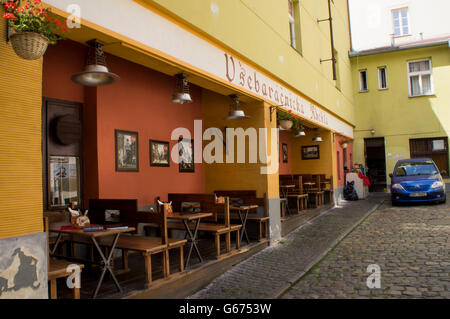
(391, 175)
(443, 172)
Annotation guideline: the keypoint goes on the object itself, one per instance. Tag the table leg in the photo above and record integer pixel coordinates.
(192, 239)
(58, 239)
(244, 222)
(107, 264)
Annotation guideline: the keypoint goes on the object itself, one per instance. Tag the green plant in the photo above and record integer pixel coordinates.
(34, 17)
(345, 141)
(286, 116)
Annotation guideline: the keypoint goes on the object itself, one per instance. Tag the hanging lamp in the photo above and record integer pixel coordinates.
(235, 112)
(317, 137)
(181, 94)
(95, 72)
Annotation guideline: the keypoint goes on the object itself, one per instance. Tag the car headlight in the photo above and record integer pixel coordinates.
(398, 187)
(437, 184)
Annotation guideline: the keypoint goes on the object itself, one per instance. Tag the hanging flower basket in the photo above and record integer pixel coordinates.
(344, 143)
(29, 45)
(286, 124)
(34, 27)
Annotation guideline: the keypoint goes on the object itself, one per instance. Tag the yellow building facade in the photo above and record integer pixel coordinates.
(405, 119)
(276, 55)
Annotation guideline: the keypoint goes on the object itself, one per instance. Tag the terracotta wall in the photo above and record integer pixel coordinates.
(340, 159)
(140, 102)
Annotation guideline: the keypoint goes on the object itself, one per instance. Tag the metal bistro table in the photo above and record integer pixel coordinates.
(244, 210)
(106, 260)
(284, 192)
(192, 236)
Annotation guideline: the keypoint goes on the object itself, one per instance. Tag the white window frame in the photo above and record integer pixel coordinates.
(401, 22)
(420, 74)
(379, 78)
(292, 24)
(361, 89)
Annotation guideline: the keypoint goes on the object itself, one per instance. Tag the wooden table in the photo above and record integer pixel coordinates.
(308, 184)
(284, 192)
(106, 260)
(244, 209)
(192, 237)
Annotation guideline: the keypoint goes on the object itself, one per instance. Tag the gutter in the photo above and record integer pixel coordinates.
(353, 54)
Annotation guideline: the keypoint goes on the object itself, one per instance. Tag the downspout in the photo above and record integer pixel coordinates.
(332, 41)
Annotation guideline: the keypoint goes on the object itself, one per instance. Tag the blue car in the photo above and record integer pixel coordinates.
(417, 180)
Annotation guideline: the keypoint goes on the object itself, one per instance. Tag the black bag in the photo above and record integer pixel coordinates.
(350, 192)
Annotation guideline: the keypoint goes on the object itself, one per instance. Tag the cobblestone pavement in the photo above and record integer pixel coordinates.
(274, 269)
(411, 244)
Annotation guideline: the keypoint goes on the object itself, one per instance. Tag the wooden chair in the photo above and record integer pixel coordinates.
(211, 224)
(327, 187)
(298, 195)
(59, 269)
(147, 246)
(316, 196)
(248, 197)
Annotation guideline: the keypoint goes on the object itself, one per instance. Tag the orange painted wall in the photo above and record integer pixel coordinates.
(340, 161)
(285, 138)
(60, 62)
(140, 102)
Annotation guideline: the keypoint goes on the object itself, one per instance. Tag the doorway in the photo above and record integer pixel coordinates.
(376, 163)
(61, 154)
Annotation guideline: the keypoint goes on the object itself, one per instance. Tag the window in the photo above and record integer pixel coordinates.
(400, 22)
(382, 80)
(336, 66)
(363, 87)
(420, 78)
(435, 148)
(294, 24)
(64, 180)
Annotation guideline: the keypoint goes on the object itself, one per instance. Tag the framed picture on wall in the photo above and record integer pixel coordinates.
(186, 155)
(127, 151)
(310, 152)
(285, 153)
(159, 153)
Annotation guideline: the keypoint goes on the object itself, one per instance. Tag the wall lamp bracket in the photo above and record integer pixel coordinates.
(322, 20)
(274, 108)
(326, 60)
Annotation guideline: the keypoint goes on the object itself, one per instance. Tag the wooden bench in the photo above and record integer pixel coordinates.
(59, 269)
(210, 224)
(315, 195)
(147, 246)
(248, 197)
(296, 193)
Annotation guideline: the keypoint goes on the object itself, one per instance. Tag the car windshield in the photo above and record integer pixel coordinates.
(416, 168)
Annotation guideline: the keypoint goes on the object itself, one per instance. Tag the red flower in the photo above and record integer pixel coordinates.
(36, 1)
(9, 16)
(10, 5)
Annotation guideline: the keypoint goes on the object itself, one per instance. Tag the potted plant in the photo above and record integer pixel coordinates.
(34, 27)
(345, 142)
(286, 120)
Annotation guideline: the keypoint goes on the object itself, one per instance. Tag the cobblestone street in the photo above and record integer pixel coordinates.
(410, 244)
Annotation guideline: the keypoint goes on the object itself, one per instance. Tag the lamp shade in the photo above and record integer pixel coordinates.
(181, 94)
(96, 72)
(317, 137)
(300, 133)
(235, 112)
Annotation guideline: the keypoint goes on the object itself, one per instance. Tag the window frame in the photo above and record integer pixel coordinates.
(420, 74)
(361, 90)
(385, 78)
(401, 23)
(295, 40)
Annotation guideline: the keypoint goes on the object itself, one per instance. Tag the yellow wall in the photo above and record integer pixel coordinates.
(323, 165)
(392, 113)
(20, 143)
(237, 176)
(258, 30)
